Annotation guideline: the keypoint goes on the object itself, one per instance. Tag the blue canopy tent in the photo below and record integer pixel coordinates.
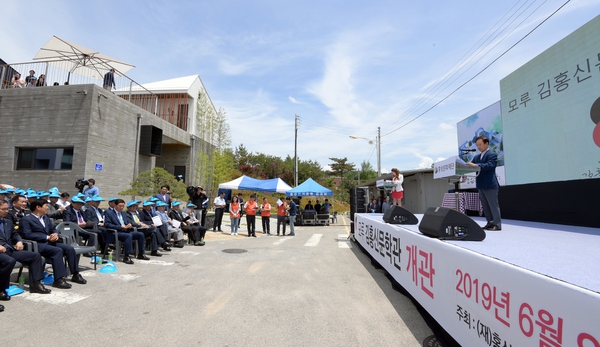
(309, 188)
(248, 183)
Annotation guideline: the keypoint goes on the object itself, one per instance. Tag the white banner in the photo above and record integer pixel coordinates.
(482, 301)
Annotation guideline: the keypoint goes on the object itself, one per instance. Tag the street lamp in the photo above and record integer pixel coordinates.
(377, 143)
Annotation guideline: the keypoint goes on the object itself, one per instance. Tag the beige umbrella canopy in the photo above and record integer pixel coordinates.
(71, 56)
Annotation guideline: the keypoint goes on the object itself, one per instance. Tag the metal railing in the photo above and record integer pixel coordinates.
(57, 73)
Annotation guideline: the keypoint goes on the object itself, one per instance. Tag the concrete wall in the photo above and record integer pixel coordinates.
(100, 126)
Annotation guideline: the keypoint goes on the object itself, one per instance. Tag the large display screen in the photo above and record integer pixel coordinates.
(551, 112)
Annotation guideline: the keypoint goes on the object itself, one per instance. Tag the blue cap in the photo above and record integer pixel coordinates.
(10, 190)
(154, 198)
(133, 202)
(175, 203)
(2, 191)
(54, 190)
(20, 191)
(76, 199)
(161, 204)
(112, 198)
(55, 195)
(97, 198)
(191, 205)
(32, 195)
(43, 193)
(148, 203)
(88, 199)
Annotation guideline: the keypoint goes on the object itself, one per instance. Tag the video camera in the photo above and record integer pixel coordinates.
(81, 183)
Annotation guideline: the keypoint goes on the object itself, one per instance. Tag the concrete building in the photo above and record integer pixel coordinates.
(53, 136)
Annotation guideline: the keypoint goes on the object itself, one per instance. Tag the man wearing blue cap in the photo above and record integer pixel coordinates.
(116, 219)
(55, 212)
(189, 223)
(136, 221)
(11, 251)
(38, 227)
(74, 214)
(167, 227)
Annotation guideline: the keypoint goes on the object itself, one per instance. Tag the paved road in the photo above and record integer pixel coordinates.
(314, 289)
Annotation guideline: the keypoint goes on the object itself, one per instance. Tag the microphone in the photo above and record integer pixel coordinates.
(468, 150)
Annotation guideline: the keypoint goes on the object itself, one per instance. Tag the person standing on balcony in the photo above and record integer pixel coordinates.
(109, 80)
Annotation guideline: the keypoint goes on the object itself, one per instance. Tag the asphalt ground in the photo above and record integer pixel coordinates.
(313, 289)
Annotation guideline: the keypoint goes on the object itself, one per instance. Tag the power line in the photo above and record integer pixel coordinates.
(477, 74)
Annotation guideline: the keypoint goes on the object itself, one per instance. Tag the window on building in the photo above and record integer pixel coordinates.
(44, 158)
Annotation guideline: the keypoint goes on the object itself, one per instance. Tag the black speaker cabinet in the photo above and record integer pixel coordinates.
(447, 224)
(399, 215)
(150, 141)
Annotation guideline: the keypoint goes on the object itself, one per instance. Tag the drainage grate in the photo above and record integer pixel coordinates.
(432, 341)
(235, 250)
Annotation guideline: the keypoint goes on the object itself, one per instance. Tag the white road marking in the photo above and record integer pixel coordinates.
(343, 241)
(126, 278)
(57, 297)
(189, 252)
(281, 240)
(155, 262)
(314, 240)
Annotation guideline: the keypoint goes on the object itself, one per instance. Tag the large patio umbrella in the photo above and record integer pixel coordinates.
(63, 53)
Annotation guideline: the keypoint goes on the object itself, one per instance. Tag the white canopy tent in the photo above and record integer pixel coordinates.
(71, 56)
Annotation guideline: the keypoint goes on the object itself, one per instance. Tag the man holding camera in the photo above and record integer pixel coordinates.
(91, 190)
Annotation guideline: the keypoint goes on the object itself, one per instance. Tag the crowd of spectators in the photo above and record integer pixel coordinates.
(30, 215)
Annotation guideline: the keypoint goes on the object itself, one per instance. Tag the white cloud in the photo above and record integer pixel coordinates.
(293, 100)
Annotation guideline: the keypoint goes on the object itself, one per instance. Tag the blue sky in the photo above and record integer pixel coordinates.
(345, 67)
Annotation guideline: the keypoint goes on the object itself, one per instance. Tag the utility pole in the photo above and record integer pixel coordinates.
(296, 150)
(378, 151)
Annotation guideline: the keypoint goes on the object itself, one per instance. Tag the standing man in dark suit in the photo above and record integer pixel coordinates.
(38, 227)
(115, 218)
(164, 196)
(11, 251)
(487, 183)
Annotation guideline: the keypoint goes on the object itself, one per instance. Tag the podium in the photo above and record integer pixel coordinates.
(454, 170)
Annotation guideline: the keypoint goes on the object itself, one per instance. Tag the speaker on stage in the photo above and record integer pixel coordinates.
(447, 224)
(399, 215)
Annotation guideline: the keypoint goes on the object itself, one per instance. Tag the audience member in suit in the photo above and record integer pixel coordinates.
(167, 224)
(95, 214)
(74, 214)
(136, 221)
(193, 231)
(11, 251)
(115, 218)
(146, 215)
(19, 209)
(164, 196)
(195, 222)
(55, 211)
(38, 227)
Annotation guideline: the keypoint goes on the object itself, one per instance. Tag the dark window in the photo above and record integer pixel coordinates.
(44, 158)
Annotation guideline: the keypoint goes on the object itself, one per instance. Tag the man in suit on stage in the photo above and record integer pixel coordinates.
(38, 227)
(115, 218)
(11, 251)
(487, 183)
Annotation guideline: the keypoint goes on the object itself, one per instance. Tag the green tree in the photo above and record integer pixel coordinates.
(340, 166)
(367, 173)
(148, 183)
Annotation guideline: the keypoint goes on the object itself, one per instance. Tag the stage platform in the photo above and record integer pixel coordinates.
(531, 284)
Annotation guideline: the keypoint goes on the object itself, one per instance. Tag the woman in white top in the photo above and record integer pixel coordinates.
(398, 191)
